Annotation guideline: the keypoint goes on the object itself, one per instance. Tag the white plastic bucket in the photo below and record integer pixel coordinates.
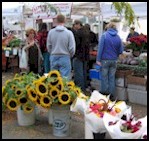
(61, 121)
(25, 119)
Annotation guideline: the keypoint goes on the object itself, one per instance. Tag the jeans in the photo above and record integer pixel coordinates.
(108, 71)
(46, 62)
(62, 63)
(80, 73)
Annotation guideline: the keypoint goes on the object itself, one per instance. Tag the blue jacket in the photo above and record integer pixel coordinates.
(110, 46)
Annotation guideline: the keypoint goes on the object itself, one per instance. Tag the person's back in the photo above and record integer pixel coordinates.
(42, 41)
(109, 49)
(61, 46)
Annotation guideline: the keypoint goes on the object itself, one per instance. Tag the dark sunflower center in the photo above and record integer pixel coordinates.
(23, 100)
(65, 97)
(46, 100)
(54, 75)
(55, 82)
(28, 108)
(18, 92)
(54, 93)
(33, 94)
(13, 104)
(42, 88)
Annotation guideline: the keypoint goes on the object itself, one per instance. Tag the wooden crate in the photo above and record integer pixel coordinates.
(132, 79)
(123, 73)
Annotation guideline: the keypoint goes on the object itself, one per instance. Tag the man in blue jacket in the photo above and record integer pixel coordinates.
(109, 48)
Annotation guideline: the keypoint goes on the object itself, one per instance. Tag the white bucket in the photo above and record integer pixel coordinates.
(50, 117)
(61, 121)
(25, 119)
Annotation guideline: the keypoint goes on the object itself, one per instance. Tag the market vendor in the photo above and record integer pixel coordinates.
(132, 33)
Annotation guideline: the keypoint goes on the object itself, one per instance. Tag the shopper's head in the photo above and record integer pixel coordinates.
(42, 27)
(132, 29)
(111, 25)
(77, 24)
(30, 33)
(61, 19)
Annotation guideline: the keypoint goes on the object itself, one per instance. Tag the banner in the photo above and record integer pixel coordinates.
(52, 10)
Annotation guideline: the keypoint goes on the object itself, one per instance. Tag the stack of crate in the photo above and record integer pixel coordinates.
(121, 84)
(137, 89)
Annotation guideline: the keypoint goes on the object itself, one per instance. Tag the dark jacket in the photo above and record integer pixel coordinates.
(82, 44)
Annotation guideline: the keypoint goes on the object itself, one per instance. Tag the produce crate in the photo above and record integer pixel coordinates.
(137, 96)
(123, 73)
(132, 79)
(121, 79)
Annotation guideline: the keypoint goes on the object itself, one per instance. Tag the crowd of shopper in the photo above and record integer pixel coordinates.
(67, 50)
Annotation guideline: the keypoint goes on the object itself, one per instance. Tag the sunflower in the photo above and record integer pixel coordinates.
(13, 87)
(12, 104)
(60, 86)
(18, 79)
(54, 92)
(18, 92)
(54, 82)
(41, 89)
(32, 95)
(64, 98)
(70, 84)
(28, 108)
(45, 101)
(27, 87)
(7, 82)
(54, 73)
(77, 91)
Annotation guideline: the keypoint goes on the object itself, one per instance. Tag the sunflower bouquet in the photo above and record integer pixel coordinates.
(54, 90)
(15, 92)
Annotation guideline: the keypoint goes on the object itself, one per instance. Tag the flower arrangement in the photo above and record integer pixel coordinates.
(126, 126)
(31, 89)
(15, 92)
(138, 43)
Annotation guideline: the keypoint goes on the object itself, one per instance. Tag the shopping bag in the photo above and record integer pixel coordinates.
(23, 63)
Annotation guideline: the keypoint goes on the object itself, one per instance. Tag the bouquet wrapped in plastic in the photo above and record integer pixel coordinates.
(97, 106)
(125, 128)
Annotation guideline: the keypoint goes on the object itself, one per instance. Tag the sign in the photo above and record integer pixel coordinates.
(51, 11)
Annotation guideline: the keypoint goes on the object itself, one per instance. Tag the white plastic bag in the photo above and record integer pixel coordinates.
(23, 63)
(115, 131)
(79, 105)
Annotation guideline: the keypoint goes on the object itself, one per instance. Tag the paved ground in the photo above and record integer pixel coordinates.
(42, 129)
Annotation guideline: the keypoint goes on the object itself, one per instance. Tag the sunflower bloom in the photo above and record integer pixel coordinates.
(71, 84)
(18, 92)
(54, 73)
(77, 91)
(7, 82)
(3, 90)
(54, 82)
(13, 87)
(54, 92)
(28, 108)
(32, 95)
(45, 101)
(12, 104)
(64, 98)
(5, 98)
(41, 89)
